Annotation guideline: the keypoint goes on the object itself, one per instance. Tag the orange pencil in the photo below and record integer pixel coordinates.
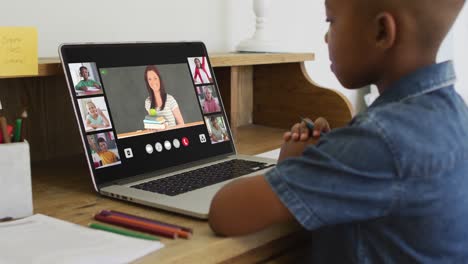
(133, 226)
(126, 220)
(178, 231)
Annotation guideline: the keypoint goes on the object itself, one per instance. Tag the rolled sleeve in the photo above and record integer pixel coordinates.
(349, 176)
(292, 200)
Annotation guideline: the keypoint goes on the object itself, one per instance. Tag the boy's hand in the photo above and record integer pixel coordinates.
(320, 126)
(300, 131)
(292, 149)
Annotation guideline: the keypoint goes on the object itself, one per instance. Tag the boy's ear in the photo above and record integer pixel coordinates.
(385, 34)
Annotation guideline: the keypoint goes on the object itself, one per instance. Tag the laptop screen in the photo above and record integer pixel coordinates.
(145, 107)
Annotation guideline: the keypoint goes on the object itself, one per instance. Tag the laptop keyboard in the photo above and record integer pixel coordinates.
(199, 178)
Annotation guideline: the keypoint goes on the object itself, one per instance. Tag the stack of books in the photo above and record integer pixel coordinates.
(154, 122)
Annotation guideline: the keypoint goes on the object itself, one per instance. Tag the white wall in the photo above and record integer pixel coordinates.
(454, 48)
(301, 25)
(109, 20)
(460, 53)
(220, 24)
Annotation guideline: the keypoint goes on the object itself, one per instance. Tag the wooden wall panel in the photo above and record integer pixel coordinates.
(284, 92)
(223, 78)
(50, 128)
(241, 95)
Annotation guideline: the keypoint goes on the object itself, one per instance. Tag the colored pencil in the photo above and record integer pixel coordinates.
(121, 231)
(150, 220)
(309, 124)
(180, 233)
(149, 226)
(133, 226)
(4, 127)
(24, 115)
(17, 131)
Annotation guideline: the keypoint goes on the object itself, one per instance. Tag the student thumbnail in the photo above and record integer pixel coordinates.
(200, 70)
(94, 113)
(85, 78)
(209, 99)
(104, 150)
(216, 129)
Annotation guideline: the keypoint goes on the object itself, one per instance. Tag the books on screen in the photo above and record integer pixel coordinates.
(154, 122)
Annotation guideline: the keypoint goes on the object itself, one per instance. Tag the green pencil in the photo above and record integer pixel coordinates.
(17, 131)
(122, 231)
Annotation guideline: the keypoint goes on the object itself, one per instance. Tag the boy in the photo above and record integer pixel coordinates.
(392, 186)
(86, 82)
(107, 156)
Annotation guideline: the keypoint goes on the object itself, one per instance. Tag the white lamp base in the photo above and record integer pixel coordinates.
(255, 45)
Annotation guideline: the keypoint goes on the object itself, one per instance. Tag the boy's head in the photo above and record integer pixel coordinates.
(379, 41)
(102, 144)
(84, 72)
(214, 122)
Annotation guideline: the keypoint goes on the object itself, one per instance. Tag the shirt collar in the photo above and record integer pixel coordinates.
(422, 81)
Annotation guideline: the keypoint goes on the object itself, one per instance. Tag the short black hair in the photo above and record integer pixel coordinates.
(99, 140)
(83, 67)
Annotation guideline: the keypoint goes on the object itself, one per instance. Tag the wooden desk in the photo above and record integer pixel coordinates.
(268, 90)
(63, 189)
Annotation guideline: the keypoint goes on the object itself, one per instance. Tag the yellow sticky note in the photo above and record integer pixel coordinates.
(18, 51)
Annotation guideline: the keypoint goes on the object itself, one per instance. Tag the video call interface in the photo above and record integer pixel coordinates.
(149, 117)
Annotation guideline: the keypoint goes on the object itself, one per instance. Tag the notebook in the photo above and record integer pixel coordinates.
(157, 134)
(43, 239)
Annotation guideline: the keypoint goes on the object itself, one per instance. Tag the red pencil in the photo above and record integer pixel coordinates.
(137, 227)
(148, 220)
(149, 226)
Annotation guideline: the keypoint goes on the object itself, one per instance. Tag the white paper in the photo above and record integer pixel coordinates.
(41, 239)
(93, 89)
(273, 154)
(15, 181)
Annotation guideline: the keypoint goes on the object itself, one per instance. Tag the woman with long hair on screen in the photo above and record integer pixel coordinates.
(165, 104)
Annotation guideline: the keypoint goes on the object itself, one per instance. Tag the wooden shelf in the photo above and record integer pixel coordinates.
(250, 59)
(53, 67)
(254, 139)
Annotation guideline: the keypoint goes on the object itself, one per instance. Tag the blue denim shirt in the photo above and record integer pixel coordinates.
(392, 186)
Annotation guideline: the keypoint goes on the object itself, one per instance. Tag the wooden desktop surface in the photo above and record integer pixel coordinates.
(52, 66)
(63, 189)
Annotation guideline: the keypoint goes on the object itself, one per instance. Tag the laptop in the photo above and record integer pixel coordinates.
(153, 124)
